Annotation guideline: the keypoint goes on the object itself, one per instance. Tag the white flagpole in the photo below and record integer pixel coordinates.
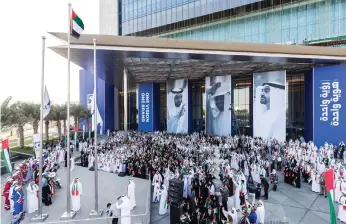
(68, 214)
(40, 216)
(95, 212)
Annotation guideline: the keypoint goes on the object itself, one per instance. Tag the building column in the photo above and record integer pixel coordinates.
(125, 100)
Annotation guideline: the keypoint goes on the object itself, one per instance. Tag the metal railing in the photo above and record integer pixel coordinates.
(143, 218)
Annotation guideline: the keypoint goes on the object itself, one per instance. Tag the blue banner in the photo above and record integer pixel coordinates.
(329, 104)
(145, 107)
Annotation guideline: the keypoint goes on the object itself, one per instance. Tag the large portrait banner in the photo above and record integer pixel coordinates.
(218, 91)
(269, 105)
(177, 106)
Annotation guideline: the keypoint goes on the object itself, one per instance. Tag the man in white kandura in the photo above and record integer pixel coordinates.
(124, 205)
(163, 200)
(270, 109)
(131, 193)
(260, 211)
(32, 191)
(76, 192)
(342, 207)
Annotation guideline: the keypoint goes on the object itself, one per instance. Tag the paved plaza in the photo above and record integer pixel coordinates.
(110, 187)
(297, 206)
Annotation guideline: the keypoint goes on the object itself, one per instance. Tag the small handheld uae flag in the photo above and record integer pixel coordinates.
(76, 25)
(6, 156)
(165, 206)
(329, 179)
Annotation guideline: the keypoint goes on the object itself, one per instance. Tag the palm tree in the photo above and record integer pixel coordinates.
(76, 111)
(63, 115)
(87, 115)
(46, 125)
(20, 114)
(56, 116)
(35, 112)
(5, 112)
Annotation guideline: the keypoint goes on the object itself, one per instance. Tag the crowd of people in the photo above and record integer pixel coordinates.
(226, 179)
(26, 175)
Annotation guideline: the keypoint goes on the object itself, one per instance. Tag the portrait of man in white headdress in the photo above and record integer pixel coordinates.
(218, 105)
(177, 106)
(270, 105)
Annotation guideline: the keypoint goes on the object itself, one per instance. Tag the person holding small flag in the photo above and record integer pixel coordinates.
(76, 192)
(6, 193)
(163, 200)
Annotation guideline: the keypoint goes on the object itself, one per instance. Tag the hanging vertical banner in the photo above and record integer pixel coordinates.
(269, 102)
(37, 144)
(218, 91)
(177, 106)
(329, 104)
(145, 109)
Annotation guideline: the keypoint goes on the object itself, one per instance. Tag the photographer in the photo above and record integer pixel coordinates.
(113, 211)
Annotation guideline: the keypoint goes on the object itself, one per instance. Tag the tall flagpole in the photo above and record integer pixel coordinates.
(68, 214)
(41, 217)
(95, 212)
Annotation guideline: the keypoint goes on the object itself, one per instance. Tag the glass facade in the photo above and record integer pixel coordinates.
(267, 21)
(285, 24)
(139, 15)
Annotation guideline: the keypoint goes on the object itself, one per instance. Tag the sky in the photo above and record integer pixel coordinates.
(23, 23)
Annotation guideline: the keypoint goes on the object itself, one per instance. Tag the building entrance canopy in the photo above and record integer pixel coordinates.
(158, 60)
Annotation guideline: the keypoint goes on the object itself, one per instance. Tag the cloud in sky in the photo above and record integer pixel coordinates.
(23, 24)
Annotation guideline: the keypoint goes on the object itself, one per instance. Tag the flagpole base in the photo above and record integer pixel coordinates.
(39, 218)
(94, 214)
(68, 215)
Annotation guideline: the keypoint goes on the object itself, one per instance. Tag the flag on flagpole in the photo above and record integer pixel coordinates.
(97, 112)
(46, 103)
(5, 155)
(329, 180)
(76, 25)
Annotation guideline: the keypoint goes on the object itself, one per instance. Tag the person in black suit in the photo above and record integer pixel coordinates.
(265, 185)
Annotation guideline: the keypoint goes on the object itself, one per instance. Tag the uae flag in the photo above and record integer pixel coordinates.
(329, 179)
(76, 25)
(165, 206)
(5, 155)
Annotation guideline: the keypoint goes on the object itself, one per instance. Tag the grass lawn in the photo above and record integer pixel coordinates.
(27, 141)
(26, 149)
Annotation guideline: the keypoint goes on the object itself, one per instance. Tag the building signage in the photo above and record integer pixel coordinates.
(329, 104)
(330, 94)
(145, 111)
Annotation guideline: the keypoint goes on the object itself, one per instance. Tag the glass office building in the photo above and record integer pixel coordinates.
(290, 22)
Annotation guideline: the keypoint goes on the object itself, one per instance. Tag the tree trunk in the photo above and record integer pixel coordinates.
(75, 122)
(64, 126)
(58, 125)
(35, 126)
(21, 136)
(46, 122)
